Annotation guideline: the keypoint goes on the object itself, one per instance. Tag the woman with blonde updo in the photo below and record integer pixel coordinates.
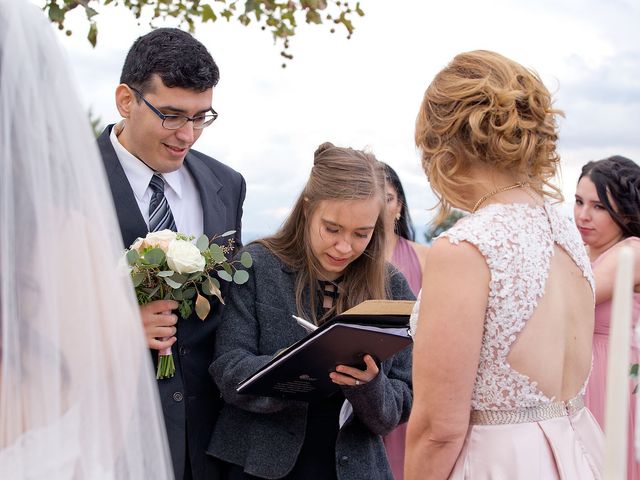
(326, 258)
(502, 347)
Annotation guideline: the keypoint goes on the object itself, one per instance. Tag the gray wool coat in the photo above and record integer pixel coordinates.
(265, 435)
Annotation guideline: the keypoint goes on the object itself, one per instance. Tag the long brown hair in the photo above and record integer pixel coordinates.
(337, 174)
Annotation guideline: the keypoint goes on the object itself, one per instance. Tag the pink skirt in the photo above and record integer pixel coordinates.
(561, 448)
(595, 396)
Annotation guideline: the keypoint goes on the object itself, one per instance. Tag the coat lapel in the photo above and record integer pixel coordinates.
(132, 224)
(213, 210)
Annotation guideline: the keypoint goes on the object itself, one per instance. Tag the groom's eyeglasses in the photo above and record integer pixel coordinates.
(174, 122)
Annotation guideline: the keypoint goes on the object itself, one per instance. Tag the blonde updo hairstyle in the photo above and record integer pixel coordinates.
(338, 173)
(486, 110)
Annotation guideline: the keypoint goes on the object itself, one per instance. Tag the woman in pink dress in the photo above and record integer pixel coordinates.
(502, 351)
(409, 257)
(607, 213)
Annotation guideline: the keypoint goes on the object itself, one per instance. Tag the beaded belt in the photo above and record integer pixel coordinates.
(526, 415)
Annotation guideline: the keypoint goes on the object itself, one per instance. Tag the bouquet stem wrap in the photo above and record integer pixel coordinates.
(166, 366)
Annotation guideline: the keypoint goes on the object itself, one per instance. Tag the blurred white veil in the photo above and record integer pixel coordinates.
(78, 398)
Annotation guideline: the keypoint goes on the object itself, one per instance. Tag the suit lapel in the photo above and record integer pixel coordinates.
(214, 211)
(132, 224)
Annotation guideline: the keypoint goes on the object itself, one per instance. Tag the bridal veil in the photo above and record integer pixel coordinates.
(77, 395)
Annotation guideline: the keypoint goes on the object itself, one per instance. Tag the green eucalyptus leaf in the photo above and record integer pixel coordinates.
(165, 273)
(202, 243)
(132, 256)
(155, 256)
(217, 254)
(240, 277)
(225, 276)
(227, 268)
(172, 283)
(246, 260)
(189, 293)
(178, 295)
(179, 277)
(138, 278)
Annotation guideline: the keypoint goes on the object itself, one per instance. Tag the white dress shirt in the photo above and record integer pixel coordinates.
(180, 190)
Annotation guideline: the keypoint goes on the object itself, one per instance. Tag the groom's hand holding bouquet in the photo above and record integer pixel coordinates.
(170, 271)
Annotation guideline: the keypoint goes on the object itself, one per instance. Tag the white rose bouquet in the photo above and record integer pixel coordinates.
(167, 265)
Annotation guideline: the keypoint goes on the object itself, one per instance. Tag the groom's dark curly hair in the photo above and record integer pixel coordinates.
(175, 56)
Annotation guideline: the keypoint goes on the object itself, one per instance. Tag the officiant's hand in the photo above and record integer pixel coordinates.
(353, 377)
(159, 323)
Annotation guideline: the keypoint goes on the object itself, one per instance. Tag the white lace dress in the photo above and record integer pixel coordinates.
(516, 431)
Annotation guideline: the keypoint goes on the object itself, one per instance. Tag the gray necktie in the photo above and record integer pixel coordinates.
(160, 216)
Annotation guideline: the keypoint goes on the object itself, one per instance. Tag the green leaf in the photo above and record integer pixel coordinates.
(313, 17)
(132, 256)
(240, 277)
(225, 276)
(189, 293)
(217, 254)
(202, 243)
(203, 307)
(246, 260)
(90, 12)
(138, 278)
(177, 295)
(179, 277)
(227, 268)
(633, 371)
(208, 14)
(92, 36)
(172, 284)
(155, 256)
(185, 308)
(165, 273)
(56, 14)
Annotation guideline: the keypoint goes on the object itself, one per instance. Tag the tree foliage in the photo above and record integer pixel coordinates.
(434, 230)
(281, 18)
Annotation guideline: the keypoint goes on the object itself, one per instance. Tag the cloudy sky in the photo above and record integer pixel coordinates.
(365, 92)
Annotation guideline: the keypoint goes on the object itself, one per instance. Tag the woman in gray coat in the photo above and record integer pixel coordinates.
(327, 257)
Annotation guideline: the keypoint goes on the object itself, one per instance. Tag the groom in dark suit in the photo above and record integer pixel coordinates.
(157, 181)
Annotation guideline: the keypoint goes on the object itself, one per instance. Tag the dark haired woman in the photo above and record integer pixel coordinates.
(607, 213)
(400, 246)
(409, 257)
(327, 257)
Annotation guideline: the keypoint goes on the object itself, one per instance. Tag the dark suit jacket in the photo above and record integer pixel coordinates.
(264, 435)
(190, 400)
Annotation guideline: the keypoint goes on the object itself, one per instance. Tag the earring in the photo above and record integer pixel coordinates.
(398, 216)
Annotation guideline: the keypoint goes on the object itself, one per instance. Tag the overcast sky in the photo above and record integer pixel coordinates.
(365, 92)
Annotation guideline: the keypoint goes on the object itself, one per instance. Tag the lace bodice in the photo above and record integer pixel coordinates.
(517, 241)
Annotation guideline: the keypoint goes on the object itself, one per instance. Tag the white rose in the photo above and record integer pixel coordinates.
(184, 257)
(138, 244)
(160, 239)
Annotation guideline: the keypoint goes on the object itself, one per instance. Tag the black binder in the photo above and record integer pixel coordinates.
(375, 327)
